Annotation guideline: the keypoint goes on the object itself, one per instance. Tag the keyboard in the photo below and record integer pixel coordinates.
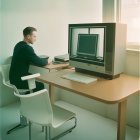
(79, 78)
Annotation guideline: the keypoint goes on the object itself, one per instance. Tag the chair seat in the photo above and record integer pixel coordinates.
(61, 116)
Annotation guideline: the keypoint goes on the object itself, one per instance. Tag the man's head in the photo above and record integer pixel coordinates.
(29, 34)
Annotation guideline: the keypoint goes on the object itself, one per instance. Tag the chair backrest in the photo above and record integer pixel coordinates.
(4, 70)
(36, 107)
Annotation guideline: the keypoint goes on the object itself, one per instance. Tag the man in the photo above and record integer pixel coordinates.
(23, 56)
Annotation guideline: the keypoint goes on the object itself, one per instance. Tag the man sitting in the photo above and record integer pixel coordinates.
(23, 56)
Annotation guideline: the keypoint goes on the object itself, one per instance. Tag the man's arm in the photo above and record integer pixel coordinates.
(33, 58)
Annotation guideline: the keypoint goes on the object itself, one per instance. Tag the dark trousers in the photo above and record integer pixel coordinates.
(39, 86)
(24, 85)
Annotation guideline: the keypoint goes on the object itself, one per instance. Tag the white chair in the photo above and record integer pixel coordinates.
(4, 70)
(36, 107)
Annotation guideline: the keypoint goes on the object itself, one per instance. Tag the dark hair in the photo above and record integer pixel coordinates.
(28, 31)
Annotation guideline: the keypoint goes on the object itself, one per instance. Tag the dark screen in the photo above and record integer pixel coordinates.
(87, 44)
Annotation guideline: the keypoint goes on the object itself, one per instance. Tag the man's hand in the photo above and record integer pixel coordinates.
(49, 61)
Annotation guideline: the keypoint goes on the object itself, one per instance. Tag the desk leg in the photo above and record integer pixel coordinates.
(51, 93)
(121, 120)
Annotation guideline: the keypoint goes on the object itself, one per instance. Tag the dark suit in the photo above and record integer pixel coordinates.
(23, 56)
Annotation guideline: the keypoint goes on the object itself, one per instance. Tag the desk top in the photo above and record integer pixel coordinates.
(107, 91)
(56, 66)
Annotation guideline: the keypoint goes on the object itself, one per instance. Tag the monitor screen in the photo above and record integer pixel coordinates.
(87, 45)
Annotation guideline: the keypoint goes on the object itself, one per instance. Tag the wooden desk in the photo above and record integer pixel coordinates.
(55, 66)
(108, 91)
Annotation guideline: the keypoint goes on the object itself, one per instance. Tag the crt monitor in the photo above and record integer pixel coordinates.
(97, 48)
(87, 45)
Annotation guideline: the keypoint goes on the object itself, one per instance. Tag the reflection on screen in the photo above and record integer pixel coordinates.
(87, 45)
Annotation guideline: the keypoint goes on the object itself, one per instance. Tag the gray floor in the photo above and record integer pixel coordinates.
(90, 126)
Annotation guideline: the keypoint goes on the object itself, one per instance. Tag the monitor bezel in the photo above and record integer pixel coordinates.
(88, 26)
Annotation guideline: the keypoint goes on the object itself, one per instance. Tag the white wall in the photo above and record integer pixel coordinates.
(51, 18)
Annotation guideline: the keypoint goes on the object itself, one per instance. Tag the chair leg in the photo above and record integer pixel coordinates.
(23, 123)
(14, 128)
(47, 133)
(67, 131)
(43, 128)
(30, 130)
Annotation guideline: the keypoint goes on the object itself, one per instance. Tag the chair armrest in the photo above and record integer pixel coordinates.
(30, 76)
(31, 80)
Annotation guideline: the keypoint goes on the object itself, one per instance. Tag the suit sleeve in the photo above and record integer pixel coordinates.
(33, 58)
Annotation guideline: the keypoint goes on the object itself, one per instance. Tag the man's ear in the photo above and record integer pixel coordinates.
(28, 37)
